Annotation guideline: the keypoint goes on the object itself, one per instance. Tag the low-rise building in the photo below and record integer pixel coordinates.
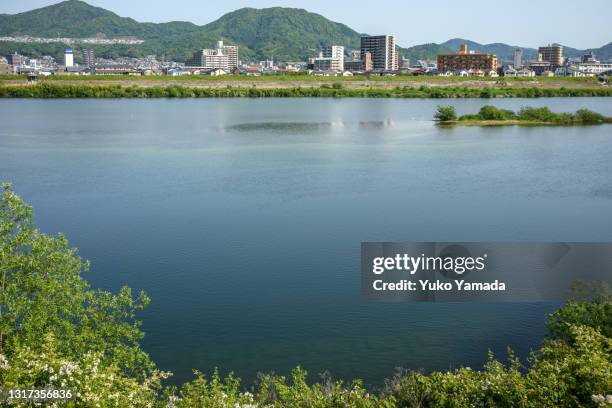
(570, 71)
(103, 69)
(510, 71)
(327, 64)
(353, 65)
(178, 71)
(7, 69)
(253, 71)
(525, 73)
(540, 67)
(214, 72)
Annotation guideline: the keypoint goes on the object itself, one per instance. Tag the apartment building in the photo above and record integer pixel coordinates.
(89, 57)
(466, 60)
(330, 58)
(383, 52)
(224, 57)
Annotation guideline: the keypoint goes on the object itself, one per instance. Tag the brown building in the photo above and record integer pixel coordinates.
(551, 53)
(465, 60)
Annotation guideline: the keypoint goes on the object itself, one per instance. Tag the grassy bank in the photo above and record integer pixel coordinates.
(305, 78)
(88, 90)
(527, 116)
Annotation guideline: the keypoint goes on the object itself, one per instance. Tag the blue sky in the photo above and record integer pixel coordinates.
(516, 22)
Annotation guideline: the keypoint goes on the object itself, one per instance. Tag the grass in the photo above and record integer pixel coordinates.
(51, 89)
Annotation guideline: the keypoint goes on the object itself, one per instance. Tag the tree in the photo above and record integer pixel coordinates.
(43, 293)
(446, 114)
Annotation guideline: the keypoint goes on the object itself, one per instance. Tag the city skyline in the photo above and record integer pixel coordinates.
(545, 21)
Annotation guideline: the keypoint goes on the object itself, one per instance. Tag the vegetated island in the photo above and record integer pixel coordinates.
(527, 116)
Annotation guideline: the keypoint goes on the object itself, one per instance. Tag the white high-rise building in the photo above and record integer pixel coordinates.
(335, 52)
(232, 54)
(224, 57)
(330, 58)
(518, 58)
(68, 58)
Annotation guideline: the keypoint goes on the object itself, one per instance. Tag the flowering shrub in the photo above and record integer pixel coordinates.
(93, 383)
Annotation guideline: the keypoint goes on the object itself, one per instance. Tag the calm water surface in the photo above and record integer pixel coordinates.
(242, 219)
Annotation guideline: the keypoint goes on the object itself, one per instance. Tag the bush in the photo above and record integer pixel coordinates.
(446, 114)
(586, 116)
(536, 114)
(489, 112)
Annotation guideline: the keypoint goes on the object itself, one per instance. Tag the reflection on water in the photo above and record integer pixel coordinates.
(307, 127)
(279, 127)
(376, 124)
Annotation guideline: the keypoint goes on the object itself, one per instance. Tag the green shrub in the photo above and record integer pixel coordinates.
(489, 112)
(536, 114)
(587, 116)
(446, 114)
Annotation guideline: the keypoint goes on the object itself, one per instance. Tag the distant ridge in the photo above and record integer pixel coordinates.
(277, 32)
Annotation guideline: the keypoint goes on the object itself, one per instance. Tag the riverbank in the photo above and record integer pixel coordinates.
(312, 81)
(61, 89)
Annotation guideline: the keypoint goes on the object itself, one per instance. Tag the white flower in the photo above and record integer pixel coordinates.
(598, 399)
(3, 362)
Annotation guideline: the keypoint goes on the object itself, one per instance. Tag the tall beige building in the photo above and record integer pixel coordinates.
(552, 54)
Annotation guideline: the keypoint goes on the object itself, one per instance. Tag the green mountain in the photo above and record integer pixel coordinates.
(424, 51)
(284, 33)
(74, 18)
(280, 33)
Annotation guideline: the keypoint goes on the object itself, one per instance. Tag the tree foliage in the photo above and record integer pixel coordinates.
(43, 293)
(446, 114)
